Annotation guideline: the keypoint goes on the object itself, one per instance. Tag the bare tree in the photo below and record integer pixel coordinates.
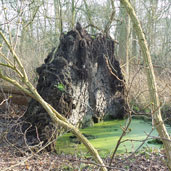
(155, 103)
(124, 33)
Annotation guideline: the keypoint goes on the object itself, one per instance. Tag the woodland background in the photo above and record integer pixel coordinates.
(34, 28)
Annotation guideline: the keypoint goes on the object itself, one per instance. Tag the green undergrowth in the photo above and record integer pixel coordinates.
(104, 137)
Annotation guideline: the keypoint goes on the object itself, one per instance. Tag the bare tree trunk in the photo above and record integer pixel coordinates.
(124, 31)
(58, 16)
(156, 115)
(134, 38)
(89, 17)
(73, 14)
(108, 24)
(127, 48)
(134, 44)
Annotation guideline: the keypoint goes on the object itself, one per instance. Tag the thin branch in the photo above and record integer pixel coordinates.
(108, 25)
(125, 129)
(33, 17)
(153, 137)
(143, 142)
(6, 59)
(94, 26)
(15, 83)
(15, 57)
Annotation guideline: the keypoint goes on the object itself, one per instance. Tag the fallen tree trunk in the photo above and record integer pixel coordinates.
(16, 95)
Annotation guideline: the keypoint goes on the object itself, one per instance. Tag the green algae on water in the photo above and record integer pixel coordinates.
(104, 137)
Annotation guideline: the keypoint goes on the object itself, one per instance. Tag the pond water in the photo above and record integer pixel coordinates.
(105, 135)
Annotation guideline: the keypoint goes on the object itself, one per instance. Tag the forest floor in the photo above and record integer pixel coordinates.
(16, 159)
(12, 160)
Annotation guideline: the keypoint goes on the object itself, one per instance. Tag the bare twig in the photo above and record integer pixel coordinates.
(143, 142)
(125, 129)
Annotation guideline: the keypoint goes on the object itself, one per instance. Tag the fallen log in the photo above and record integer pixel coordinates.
(14, 95)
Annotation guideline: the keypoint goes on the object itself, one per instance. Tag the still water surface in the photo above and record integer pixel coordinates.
(105, 135)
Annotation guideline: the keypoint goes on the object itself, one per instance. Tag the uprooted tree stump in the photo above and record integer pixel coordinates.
(81, 79)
